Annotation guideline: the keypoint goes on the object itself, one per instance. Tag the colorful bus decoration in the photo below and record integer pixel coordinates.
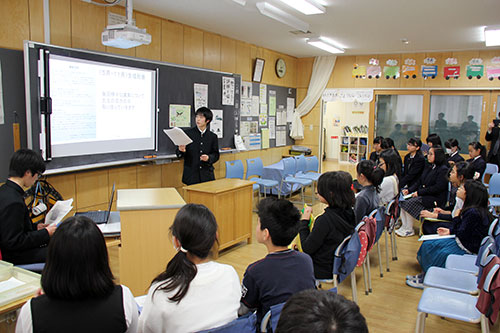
(493, 73)
(429, 71)
(451, 72)
(359, 72)
(374, 71)
(475, 71)
(392, 69)
(410, 69)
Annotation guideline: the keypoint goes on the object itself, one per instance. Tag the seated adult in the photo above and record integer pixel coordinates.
(21, 241)
(470, 225)
(430, 191)
(320, 311)
(79, 294)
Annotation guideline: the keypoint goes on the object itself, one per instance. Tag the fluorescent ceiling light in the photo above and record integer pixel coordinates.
(322, 44)
(265, 8)
(240, 2)
(307, 7)
(492, 35)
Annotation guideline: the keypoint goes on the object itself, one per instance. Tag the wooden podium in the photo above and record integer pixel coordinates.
(146, 246)
(231, 202)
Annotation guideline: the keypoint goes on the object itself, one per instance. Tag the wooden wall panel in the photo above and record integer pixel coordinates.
(15, 24)
(304, 71)
(91, 188)
(463, 60)
(342, 73)
(120, 11)
(171, 174)
(244, 64)
(388, 83)
(291, 71)
(172, 42)
(313, 117)
(65, 185)
(418, 82)
(269, 76)
(227, 55)
(193, 47)
(211, 51)
(60, 22)
(153, 26)
(87, 23)
(36, 20)
(148, 176)
(123, 178)
(301, 94)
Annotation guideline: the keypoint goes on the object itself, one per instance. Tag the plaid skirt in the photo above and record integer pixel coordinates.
(412, 206)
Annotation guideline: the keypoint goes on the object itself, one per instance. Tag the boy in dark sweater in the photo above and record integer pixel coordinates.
(283, 272)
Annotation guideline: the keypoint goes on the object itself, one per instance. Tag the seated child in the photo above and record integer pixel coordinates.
(193, 293)
(283, 272)
(330, 228)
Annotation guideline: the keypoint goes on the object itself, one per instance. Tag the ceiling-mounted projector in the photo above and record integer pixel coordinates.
(124, 36)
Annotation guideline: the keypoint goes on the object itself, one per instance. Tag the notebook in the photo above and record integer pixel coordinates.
(99, 216)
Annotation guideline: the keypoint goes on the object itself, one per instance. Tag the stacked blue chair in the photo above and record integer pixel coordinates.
(270, 320)
(244, 324)
(302, 172)
(255, 169)
(234, 169)
(494, 189)
(289, 177)
(491, 169)
(312, 165)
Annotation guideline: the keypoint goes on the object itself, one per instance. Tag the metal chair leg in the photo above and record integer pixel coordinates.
(420, 328)
(354, 288)
(368, 268)
(365, 277)
(379, 259)
(387, 249)
(485, 326)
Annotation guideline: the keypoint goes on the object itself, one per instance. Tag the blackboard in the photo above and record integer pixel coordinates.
(12, 80)
(175, 86)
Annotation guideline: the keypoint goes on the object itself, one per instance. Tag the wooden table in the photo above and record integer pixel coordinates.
(146, 246)
(231, 202)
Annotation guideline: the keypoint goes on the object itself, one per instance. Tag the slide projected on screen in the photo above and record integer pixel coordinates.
(100, 108)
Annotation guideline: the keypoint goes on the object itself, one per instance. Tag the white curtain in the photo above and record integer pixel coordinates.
(322, 69)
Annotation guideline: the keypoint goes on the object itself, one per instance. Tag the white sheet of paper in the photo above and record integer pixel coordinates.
(59, 211)
(272, 128)
(246, 89)
(178, 136)
(290, 107)
(255, 106)
(217, 124)
(434, 237)
(110, 228)
(263, 93)
(10, 284)
(246, 107)
(280, 137)
(263, 109)
(227, 90)
(200, 95)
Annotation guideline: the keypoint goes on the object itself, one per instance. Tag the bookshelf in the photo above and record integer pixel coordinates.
(353, 149)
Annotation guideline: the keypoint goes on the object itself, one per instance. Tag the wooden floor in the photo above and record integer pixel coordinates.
(392, 306)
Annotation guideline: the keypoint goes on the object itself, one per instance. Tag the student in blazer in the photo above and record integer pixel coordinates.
(477, 153)
(202, 153)
(414, 163)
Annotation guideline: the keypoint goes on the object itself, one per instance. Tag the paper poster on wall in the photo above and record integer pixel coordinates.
(263, 93)
(263, 109)
(246, 107)
(290, 107)
(249, 127)
(246, 89)
(180, 115)
(252, 141)
(280, 136)
(281, 116)
(272, 128)
(255, 106)
(272, 102)
(227, 90)
(265, 138)
(2, 117)
(200, 95)
(217, 123)
(263, 120)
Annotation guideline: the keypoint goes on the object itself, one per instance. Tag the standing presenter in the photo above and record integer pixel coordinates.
(202, 153)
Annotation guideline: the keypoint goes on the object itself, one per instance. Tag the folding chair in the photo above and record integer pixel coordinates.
(288, 176)
(494, 189)
(491, 169)
(234, 169)
(255, 169)
(244, 324)
(301, 172)
(270, 320)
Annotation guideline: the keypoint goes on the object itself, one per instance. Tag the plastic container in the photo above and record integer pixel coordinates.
(31, 283)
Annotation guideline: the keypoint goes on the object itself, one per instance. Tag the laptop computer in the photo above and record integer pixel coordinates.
(99, 216)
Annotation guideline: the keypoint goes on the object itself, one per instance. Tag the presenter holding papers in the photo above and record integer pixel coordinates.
(202, 153)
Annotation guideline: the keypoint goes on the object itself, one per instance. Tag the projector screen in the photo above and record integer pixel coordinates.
(100, 108)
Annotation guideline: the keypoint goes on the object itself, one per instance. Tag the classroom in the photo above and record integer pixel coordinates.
(399, 70)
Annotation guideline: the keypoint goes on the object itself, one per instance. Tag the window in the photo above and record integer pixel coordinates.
(456, 116)
(399, 117)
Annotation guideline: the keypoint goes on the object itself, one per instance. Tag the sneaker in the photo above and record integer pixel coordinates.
(402, 233)
(418, 277)
(415, 284)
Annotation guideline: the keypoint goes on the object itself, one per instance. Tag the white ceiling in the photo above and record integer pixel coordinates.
(360, 26)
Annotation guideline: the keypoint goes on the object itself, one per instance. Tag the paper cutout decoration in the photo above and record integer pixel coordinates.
(429, 61)
(374, 62)
(493, 72)
(475, 71)
(429, 71)
(359, 72)
(451, 61)
(391, 72)
(451, 72)
(410, 69)
(495, 60)
(374, 72)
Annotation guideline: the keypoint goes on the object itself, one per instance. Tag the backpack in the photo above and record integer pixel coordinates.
(41, 192)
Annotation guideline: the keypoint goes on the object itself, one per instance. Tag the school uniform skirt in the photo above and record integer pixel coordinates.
(435, 252)
(412, 206)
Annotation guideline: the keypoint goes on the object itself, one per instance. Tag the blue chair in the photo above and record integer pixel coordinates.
(234, 169)
(491, 169)
(255, 169)
(37, 267)
(301, 172)
(494, 189)
(288, 177)
(312, 164)
(271, 318)
(244, 324)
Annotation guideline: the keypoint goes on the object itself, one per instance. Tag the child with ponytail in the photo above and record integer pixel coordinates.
(193, 293)
(370, 176)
